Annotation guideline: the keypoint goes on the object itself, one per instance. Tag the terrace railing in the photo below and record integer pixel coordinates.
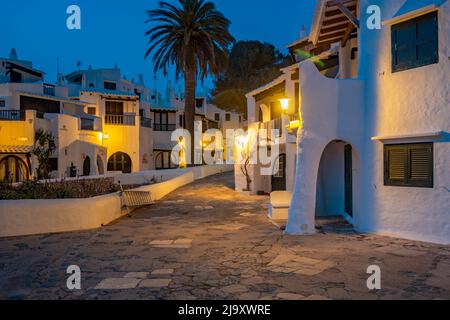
(164, 127)
(12, 115)
(122, 120)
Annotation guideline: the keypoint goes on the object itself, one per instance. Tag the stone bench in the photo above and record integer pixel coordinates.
(280, 201)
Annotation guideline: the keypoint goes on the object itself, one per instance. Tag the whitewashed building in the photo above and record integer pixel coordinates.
(374, 144)
(373, 141)
(28, 104)
(168, 116)
(124, 109)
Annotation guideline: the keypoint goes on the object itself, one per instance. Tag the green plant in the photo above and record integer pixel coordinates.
(43, 149)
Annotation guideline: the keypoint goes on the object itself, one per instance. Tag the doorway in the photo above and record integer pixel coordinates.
(279, 176)
(337, 181)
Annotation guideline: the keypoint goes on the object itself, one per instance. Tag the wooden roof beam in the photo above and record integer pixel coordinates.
(346, 12)
(347, 34)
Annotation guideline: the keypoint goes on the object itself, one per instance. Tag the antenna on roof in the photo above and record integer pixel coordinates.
(59, 76)
(79, 63)
(140, 79)
(303, 32)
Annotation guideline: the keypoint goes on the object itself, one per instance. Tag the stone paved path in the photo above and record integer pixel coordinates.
(205, 241)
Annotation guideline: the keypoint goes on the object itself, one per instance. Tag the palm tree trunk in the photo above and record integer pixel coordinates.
(190, 84)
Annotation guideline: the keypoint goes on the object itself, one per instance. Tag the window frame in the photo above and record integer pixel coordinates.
(407, 180)
(413, 23)
(112, 83)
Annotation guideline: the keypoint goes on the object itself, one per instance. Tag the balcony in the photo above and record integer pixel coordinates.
(146, 122)
(164, 127)
(12, 115)
(87, 124)
(120, 120)
(279, 124)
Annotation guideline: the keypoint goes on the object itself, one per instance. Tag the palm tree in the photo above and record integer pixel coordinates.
(194, 37)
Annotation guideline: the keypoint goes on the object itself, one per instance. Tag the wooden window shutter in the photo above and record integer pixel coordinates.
(396, 163)
(409, 165)
(421, 165)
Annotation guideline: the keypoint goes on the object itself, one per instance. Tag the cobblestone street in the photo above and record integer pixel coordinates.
(204, 241)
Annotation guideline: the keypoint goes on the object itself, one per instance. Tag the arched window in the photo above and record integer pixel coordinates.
(13, 169)
(119, 161)
(87, 166)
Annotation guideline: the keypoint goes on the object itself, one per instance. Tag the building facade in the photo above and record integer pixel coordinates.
(27, 105)
(373, 142)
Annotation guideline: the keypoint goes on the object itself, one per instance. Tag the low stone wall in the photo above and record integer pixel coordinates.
(27, 217)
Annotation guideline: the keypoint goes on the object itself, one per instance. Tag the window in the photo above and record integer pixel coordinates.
(15, 77)
(2, 103)
(409, 165)
(40, 105)
(49, 89)
(114, 107)
(181, 121)
(53, 164)
(227, 117)
(199, 102)
(161, 119)
(415, 43)
(109, 85)
(92, 110)
(217, 116)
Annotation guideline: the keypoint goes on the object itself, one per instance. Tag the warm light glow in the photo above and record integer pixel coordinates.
(242, 140)
(284, 104)
(106, 136)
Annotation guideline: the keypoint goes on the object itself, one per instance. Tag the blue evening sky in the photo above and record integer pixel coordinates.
(113, 31)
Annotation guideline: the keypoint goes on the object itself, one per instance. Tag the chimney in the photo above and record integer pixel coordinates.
(13, 54)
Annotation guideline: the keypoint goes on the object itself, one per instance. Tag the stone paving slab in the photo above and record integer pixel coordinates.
(162, 272)
(154, 283)
(219, 254)
(137, 275)
(118, 284)
(290, 296)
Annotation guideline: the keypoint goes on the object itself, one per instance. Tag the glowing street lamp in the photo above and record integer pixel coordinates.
(284, 104)
(241, 141)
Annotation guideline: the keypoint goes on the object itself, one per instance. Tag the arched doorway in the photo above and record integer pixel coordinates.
(100, 167)
(87, 166)
(119, 161)
(13, 169)
(279, 176)
(337, 181)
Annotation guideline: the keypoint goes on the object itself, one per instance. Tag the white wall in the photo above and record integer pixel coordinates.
(331, 110)
(26, 217)
(409, 102)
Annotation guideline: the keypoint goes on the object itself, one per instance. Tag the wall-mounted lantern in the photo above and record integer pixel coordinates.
(284, 104)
